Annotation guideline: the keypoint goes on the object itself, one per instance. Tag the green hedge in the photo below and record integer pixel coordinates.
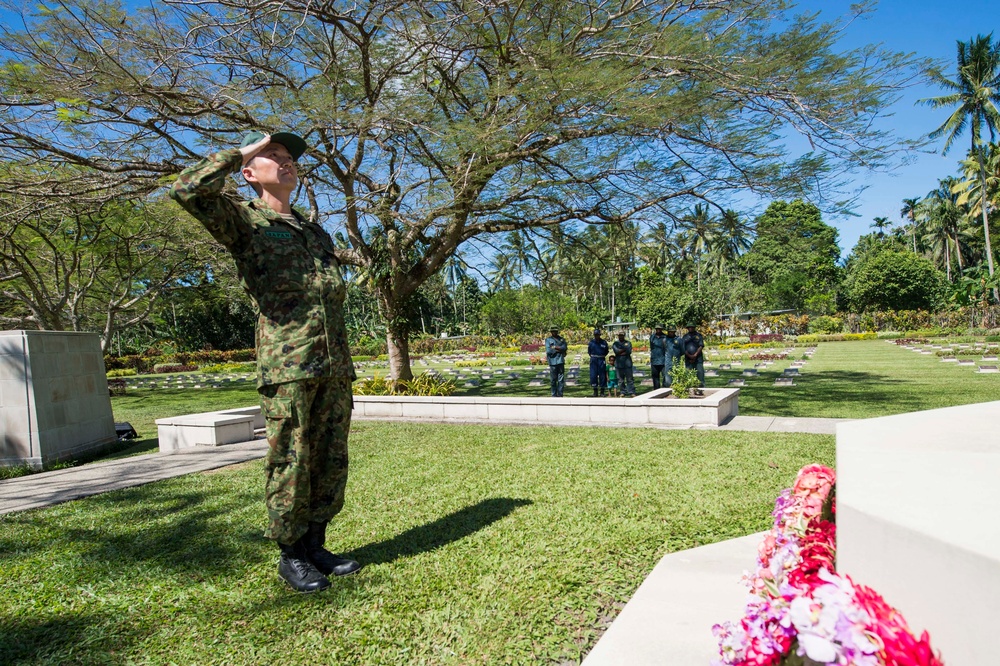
(146, 362)
(835, 337)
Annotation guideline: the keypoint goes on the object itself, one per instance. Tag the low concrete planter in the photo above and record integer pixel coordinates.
(656, 408)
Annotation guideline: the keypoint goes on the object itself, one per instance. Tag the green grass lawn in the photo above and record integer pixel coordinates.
(481, 545)
(864, 379)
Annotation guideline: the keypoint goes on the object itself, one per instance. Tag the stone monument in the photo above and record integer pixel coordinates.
(54, 402)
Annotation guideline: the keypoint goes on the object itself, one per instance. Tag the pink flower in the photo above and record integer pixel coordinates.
(798, 604)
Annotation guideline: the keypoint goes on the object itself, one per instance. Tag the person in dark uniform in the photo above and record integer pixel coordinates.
(555, 351)
(674, 353)
(658, 356)
(597, 349)
(693, 344)
(623, 365)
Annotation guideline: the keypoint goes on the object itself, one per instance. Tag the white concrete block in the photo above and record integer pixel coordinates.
(917, 496)
(513, 412)
(422, 410)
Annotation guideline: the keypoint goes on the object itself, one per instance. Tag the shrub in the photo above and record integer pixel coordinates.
(173, 367)
(122, 372)
(762, 356)
(478, 363)
(228, 367)
(518, 361)
(530, 347)
(912, 341)
(766, 337)
(826, 324)
(116, 386)
(425, 384)
(682, 380)
(535, 360)
(836, 337)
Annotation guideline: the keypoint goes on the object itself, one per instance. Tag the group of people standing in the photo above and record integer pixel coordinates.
(611, 367)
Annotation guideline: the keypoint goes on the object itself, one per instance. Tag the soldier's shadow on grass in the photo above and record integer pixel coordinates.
(440, 532)
(175, 530)
(28, 640)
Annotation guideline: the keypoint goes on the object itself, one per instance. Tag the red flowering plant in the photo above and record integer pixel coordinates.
(800, 610)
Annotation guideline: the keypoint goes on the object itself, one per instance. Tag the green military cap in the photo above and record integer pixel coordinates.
(295, 144)
(598, 331)
(553, 328)
(690, 325)
(671, 328)
(659, 327)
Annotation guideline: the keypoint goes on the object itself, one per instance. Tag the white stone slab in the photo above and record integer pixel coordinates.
(207, 429)
(917, 496)
(669, 618)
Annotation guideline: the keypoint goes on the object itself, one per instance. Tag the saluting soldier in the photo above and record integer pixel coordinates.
(555, 351)
(287, 265)
(597, 349)
(693, 344)
(658, 356)
(623, 364)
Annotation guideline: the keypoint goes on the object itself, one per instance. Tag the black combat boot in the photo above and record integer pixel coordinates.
(300, 574)
(324, 560)
(595, 391)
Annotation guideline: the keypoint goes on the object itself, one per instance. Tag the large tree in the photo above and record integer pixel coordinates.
(794, 255)
(433, 123)
(893, 280)
(72, 265)
(975, 96)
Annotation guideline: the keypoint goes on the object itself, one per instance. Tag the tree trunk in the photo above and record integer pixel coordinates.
(986, 222)
(399, 356)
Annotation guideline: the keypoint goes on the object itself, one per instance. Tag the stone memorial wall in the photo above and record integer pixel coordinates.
(54, 402)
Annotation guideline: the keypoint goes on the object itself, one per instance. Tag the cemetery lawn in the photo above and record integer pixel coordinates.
(843, 379)
(864, 379)
(481, 545)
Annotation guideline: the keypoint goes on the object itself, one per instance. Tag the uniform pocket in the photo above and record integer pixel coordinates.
(275, 406)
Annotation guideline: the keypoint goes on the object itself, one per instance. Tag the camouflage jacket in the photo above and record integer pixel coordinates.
(290, 273)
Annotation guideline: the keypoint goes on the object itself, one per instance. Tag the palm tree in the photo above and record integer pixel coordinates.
(944, 223)
(909, 211)
(501, 275)
(734, 236)
(699, 234)
(517, 252)
(455, 273)
(655, 248)
(880, 224)
(976, 92)
(970, 190)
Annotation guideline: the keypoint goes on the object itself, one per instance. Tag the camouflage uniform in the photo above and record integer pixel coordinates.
(303, 358)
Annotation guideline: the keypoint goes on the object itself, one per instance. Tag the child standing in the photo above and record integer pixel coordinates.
(612, 377)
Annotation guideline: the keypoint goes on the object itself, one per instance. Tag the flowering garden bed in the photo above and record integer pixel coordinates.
(802, 611)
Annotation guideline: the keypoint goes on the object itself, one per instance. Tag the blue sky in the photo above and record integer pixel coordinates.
(928, 28)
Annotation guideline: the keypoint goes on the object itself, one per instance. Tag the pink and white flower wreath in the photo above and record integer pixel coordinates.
(801, 612)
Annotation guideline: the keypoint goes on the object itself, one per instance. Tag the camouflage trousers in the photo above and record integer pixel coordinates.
(306, 465)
